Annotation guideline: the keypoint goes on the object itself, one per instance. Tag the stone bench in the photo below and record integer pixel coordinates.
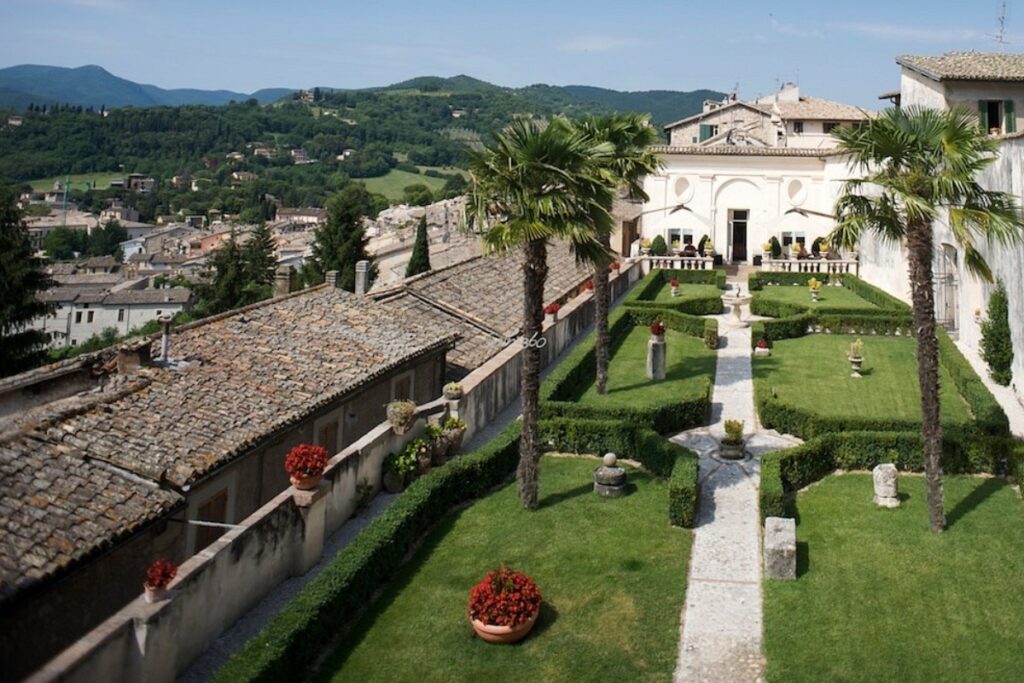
(780, 548)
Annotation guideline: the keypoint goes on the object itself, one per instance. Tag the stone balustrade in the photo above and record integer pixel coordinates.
(681, 262)
(823, 266)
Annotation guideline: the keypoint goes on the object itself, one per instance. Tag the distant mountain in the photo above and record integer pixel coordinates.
(95, 86)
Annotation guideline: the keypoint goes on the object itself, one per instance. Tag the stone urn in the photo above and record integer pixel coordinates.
(855, 365)
(453, 391)
(504, 635)
(401, 415)
(814, 295)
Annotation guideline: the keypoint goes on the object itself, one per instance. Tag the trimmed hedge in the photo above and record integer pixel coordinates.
(690, 325)
(832, 321)
(869, 293)
(329, 603)
(787, 471)
(643, 294)
(657, 455)
(988, 414)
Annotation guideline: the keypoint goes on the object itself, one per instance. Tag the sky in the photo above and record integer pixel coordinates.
(840, 51)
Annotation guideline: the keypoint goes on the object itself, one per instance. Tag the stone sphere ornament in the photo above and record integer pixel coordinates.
(610, 460)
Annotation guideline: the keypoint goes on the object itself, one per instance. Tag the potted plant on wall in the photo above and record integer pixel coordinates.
(158, 577)
(856, 357)
(454, 431)
(399, 470)
(766, 250)
(453, 391)
(504, 606)
(305, 465)
(551, 311)
(401, 414)
(732, 445)
(616, 266)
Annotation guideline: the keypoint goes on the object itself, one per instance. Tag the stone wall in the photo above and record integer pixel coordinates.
(285, 537)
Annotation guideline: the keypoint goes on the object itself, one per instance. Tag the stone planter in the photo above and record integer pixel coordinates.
(504, 634)
(453, 394)
(153, 594)
(401, 415)
(454, 441)
(551, 317)
(732, 450)
(814, 295)
(855, 364)
(675, 291)
(392, 483)
(758, 351)
(305, 482)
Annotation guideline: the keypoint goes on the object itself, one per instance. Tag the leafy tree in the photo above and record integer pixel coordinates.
(532, 185)
(630, 135)
(65, 243)
(455, 186)
(106, 240)
(342, 242)
(996, 342)
(658, 246)
(260, 256)
(419, 261)
(918, 163)
(21, 279)
(417, 194)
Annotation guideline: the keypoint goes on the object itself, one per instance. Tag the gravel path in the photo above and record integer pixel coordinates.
(721, 628)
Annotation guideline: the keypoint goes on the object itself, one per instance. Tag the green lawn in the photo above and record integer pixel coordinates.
(100, 181)
(812, 373)
(830, 297)
(392, 184)
(688, 361)
(612, 573)
(686, 292)
(881, 598)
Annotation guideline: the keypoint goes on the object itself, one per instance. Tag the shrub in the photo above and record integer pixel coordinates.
(734, 431)
(504, 598)
(658, 246)
(682, 491)
(329, 603)
(996, 344)
(776, 247)
(711, 333)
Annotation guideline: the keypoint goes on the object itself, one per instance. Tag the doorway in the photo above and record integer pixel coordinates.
(738, 233)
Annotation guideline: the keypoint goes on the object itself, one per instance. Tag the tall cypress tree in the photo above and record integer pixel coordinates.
(419, 261)
(342, 242)
(21, 278)
(259, 256)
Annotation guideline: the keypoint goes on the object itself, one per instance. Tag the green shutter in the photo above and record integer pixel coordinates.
(705, 132)
(1009, 116)
(983, 115)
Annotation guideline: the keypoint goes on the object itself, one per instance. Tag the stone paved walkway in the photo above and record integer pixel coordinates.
(720, 633)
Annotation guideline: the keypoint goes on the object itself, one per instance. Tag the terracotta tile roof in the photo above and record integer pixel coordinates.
(967, 66)
(101, 262)
(813, 108)
(57, 509)
(173, 295)
(246, 375)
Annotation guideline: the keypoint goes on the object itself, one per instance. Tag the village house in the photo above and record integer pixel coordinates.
(306, 215)
(201, 436)
(39, 227)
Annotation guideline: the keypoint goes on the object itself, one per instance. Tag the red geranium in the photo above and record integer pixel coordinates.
(616, 265)
(658, 328)
(504, 598)
(674, 283)
(589, 285)
(553, 308)
(306, 460)
(160, 573)
(762, 344)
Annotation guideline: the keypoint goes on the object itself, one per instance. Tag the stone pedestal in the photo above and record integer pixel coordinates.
(656, 357)
(780, 548)
(609, 481)
(887, 490)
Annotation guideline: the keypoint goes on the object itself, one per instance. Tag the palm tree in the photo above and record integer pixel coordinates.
(533, 184)
(918, 165)
(630, 135)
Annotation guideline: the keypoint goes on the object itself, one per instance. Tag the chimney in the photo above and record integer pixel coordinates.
(165, 339)
(282, 280)
(331, 278)
(362, 277)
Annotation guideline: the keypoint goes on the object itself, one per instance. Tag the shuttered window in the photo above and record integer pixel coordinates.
(983, 114)
(1009, 117)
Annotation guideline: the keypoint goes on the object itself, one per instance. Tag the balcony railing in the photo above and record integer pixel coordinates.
(682, 262)
(824, 266)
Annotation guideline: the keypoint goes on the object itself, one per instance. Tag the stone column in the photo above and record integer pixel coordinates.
(362, 277)
(886, 486)
(282, 280)
(780, 548)
(656, 357)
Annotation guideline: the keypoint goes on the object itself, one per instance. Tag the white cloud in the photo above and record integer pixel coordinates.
(909, 33)
(595, 44)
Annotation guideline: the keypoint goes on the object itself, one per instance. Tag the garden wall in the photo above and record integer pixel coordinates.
(285, 537)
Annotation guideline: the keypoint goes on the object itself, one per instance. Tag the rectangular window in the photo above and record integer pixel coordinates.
(997, 116)
(120, 315)
(707, 131)
(801, 237)
(798, 127)
(828, 126)
(402, 386)
(89, 317)
(687, 236)
(78, 317)
(74, 342)
(214, 509)
(787, 239)
(673, 238)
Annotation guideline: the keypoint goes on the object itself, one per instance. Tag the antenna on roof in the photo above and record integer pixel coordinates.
(1000, 35)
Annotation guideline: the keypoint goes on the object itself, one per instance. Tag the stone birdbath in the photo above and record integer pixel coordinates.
(736, 301)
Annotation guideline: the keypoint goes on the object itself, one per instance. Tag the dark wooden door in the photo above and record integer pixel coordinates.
(739, 235)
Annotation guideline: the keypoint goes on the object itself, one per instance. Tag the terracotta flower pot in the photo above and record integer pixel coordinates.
(393, 483)
(504, 634)
(455, 437)
(305, 482)
(153, 594)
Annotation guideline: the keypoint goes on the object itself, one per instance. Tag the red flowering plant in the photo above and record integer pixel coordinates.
(589, 285)
(616, 265)
(306, 460)
(504, 598)
(762, 343)
(657, 328)
(673, 283)
(553, 308)
(160, 573)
